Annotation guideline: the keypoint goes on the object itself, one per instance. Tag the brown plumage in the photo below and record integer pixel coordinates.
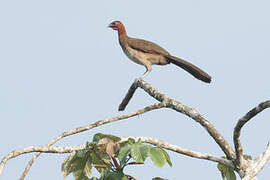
(147, 53)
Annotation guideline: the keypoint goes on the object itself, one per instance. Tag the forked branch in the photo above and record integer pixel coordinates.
(179, 107)
(237, 131)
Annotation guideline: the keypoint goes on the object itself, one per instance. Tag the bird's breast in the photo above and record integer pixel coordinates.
(143, 58)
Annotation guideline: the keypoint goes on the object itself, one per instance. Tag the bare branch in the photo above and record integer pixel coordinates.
(237, 131)
(128, 96)
(31, 149)
(183, 151)
(88, 127)
(259, 163)
(195, 115)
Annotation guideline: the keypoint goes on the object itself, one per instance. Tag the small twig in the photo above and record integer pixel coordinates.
(31, 149)
(195, 115)
(125, 164)
(259, 164)
(237, 131)
(135, 163)
(128, 96)
(88, 127)
(183, 151)
(129, 157)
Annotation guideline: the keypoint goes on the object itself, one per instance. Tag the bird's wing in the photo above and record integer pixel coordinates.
(146, 46)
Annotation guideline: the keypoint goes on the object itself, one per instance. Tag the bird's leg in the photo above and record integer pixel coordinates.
(148, 69)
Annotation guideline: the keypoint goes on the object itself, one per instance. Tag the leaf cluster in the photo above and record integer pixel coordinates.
(109, 156)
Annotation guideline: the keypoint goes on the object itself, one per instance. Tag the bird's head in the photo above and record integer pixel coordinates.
(116, 25)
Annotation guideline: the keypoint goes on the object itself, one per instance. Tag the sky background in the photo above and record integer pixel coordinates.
(62, 68)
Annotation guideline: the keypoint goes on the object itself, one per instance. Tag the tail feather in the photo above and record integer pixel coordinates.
(192, 69)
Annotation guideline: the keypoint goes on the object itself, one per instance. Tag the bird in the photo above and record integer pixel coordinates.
(147, 53)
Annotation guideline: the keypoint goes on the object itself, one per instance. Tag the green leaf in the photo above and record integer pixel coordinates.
(101, 161)
(158, 178)
(167, 157)
(67, 167)
(226, 172)
(144, 149)
(80, 176)
(247, 157)
(136, 153)
(131, 140)
(123, 153)
(108, 175)
(94, 178)
(81, 153)
(157, 156)
(99, 136)
(79, 166)
(125, 178)
(83, 170)
(83, 173)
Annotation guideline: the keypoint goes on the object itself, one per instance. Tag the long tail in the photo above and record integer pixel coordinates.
(192, 69)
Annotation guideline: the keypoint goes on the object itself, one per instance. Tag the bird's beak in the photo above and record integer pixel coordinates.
(111, 25)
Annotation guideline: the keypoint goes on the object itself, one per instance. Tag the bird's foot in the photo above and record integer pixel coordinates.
(138, 79)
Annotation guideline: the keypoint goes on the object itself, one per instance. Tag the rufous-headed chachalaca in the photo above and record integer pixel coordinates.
(147, 53)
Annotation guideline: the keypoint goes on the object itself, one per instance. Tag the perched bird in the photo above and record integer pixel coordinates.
(147, 53)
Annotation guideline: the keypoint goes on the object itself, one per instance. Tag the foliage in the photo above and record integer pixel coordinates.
(109, 156)
(227, 173)
(158, 178)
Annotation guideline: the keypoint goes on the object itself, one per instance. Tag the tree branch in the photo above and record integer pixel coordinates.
(237, 131)
(128, 96)
(181, 150)
(259, 163)
(44, 149)
(88, 127)
(179, 107)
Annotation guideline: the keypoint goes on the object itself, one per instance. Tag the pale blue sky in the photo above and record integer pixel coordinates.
(61, 68)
